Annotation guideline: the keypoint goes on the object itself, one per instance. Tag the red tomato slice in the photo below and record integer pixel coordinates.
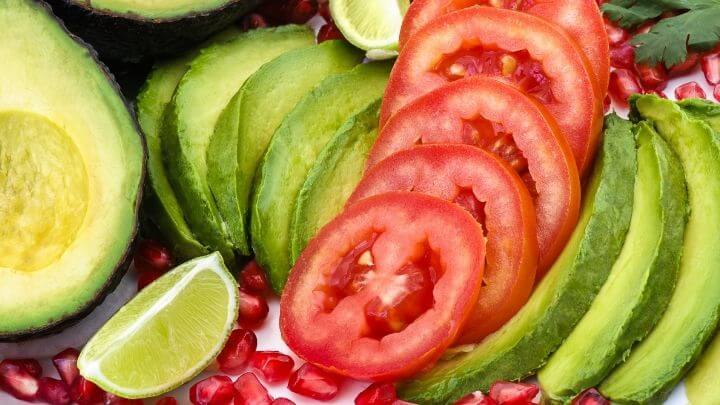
(384, 288)
(497, 117)
(518, 48)
(581, 20)
(494, 194)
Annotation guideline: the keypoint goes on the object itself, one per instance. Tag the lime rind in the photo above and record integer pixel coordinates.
(169, 333)
(370, 24)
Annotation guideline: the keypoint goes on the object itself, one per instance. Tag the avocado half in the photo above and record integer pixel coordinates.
(71, 171)
(135, 30)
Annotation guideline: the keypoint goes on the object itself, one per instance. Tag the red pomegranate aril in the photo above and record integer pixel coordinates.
(31, 366)
(623, 84)
(616, 35)
(711, 67)
(215, 390)
(689, 90)
(253, 309)
(324, 10)
(274, 366)
(652, 77)
(377, 394)
(152, 256)
(16, 381)
(148, 277)
(282, 401)
(313, 382)
(66, 365)
(253, 279)
(656, 92)
(684, 67)
(329, 32)
(289, 11)
(111, 399)
(84, 392)
(622, 56)
(508, 393)
(716, 92)
(476, 398)
(167, 401)
(249, 391)
(237, 352)
(54, 392)
(253, 21)
(607, 103)
(590, 396)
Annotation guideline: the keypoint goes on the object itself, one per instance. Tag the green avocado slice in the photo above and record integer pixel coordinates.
(641, 282)
(334, 176)
(71, 171)
(293, 151)
(656, 365)
(524, 344)
(204, 91)
(245, 127)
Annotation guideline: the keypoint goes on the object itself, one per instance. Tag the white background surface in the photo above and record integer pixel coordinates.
(268, 335)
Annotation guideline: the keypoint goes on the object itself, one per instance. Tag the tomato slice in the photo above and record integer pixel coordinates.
(497, 117)
(494, 194)
(385, 287)
(515, 47)
(581, 20)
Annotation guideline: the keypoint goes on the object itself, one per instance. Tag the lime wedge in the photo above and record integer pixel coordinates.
(170, 332)
(370, 24)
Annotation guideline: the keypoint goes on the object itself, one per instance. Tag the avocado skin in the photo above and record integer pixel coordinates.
(58, 325)
(656, 365)
(133, 38)
(524, 344)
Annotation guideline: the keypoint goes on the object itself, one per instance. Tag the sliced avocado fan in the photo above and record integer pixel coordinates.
(71, 171)
(657, 364)
(641, 281)
(524, 344)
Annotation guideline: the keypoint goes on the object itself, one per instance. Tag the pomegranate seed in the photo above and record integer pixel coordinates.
(686, 66)
(253, 21)
(66, 364)
(84, 392)
(111, 399)
(689, 90)
(313, 382)
(711, 67)
(282, 401)
(152, 256)
(239, 348)
(507, 393)
(54, 392)
(252, 278)
(16, 381)
(249, 391)
(716, 92)
(616, 35)
(215, 390)
(148, 277)
(289, 11)
(31, 366)
(377, 394)
(656, 92)
(274, 366)
(253, 309)
(623, 84)
(652, 77)
(329, 32)
(476, 398)
(324, 11)
(606, 104)
(590, 396)
(622, 56)
(167, 401)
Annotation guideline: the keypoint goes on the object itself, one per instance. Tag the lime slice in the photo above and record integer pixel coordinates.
(170, 332)
(370, 24)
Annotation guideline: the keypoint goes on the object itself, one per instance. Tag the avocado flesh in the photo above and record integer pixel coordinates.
(293, 151)
(158, 9)
(204, 91)
(71, 169)
(703, 110)
(247, 124)
(641, 281)
(656, 365)
(524, 344)
(334, 176)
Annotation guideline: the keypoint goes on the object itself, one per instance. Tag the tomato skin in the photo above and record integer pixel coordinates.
(439, 116)
(444, 171)
(578, 105)
(336, 340)
(581, 19)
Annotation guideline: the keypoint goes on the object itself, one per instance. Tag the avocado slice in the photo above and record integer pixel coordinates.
(641, 282)
(160, 202)
(293, 151)
(204, 91)
(71, 171)
(703, 110)
(334, 176)
(134, 30)
(656, 365)
(245, 127)
(524, 344)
